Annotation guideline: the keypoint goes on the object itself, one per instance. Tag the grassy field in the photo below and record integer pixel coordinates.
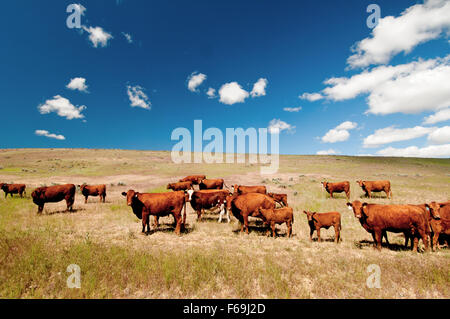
(209, 260)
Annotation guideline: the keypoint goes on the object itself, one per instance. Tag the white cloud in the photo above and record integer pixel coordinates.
(211, 93)
(417, 24)
(407, 88)
(339, 133)
(440, 136)
(277, 126)
(194, 80)
(49, 135)
(439, 116)
(311, 96)
(79, 8)
(327, 152)
(137, 97)
(231, 93)
(292, 109)
(128, 37)
(62, 107)
(390, 134)
(432, 151)
(77, 84)
(259, 88)
(98, 36)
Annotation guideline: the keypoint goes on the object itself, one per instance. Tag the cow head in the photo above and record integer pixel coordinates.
(82, 187)
(169, 186)
(229, 199)
(130, 195)
(235, 188)
(360, 183)
(324, 184)
(434, 208)
(189, 192)
(38, 195)
(2, 185)
(357, 207)
(309, 215)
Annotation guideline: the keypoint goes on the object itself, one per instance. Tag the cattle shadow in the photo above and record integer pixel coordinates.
(373, 196)
(169, 229)
(65, 211)
(258, 228)
(391, 246)
(325, 240)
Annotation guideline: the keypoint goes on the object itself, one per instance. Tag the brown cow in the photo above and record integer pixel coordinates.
(278, 216)
(376, 186)
(52, 194)
(440, 224)
(157, 204)
(211, 184)
(195, 179)
(93, 190)
(13, 189)
(209, 199)
(180, 186)
(317, 221)
(248, 204)
(279, 198)
(337, 188)
(241, 189)
(377, 218)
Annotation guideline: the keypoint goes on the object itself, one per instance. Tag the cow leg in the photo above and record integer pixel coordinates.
(145, 219)
(436, 240)
(178, 227)
(424, 237)
(246, 224)
(40, 209)
(318, 234)
(311, 232)
(69, 202)
(331, 194)
(289, 228)
(221, 214)
(378, 236)
(85, 199)
(336, 233)
(272, 224)
(416, 243)
(385, 237)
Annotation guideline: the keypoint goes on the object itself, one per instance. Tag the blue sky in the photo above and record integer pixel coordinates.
(292, 46)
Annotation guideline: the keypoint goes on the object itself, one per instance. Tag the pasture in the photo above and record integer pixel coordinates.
(209, 260)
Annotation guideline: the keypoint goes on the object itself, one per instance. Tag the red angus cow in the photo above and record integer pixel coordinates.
(278, 216)
(13, 189)
(279, 198)
(241, 189)
(208, 199)
(317, 221)
(441, 223)
(211, 184)
(195, 179)
(158, 204)
(377, 218)
(337, 188)
(52, 194)
(376, 186)
(243, 206)
(180, 186)
(93, 190)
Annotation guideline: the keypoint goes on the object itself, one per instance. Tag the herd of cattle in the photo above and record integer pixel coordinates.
(427, 221)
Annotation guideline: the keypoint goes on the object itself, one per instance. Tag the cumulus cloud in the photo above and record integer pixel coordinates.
(390, 134)
(259, 88)
(128, 37)
(440, 135)
(277, 126)
(137, 97)
(439, 116)
(417, 24)
(327, 152)
(231, 93)
(98, 36)
(311, 96)
(292, 109)
(340, 133)
(195, 80)
(77, 84)
(414, 87)
(211, 93)
(49, 135)
(431, 151)
(62, 107)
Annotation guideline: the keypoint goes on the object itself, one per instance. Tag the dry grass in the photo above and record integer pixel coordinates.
(210, 260)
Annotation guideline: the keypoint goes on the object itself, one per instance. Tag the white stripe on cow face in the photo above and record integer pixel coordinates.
(190, 192)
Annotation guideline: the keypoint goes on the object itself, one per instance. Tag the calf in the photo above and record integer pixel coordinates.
(243, 206)
(279, 198)
(157, 204)
(211, 184)
(376, 186)
(337, 188)
(93, 190)
(377, 218)
(278, 216)
(52, 194)
(317, 221)
(13, 189)
(241, 189)
(195, 179)
(180, 186)
(440, 224)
